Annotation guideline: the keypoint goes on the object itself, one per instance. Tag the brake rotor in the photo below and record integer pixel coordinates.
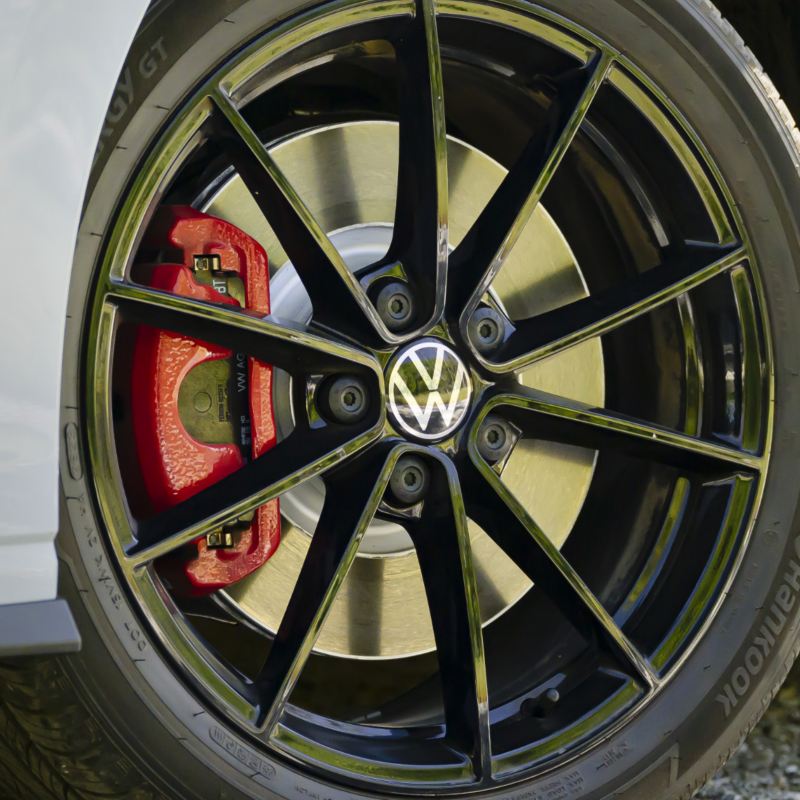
(347, 175)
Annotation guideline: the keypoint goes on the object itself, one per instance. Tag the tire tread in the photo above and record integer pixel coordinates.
(51, 747)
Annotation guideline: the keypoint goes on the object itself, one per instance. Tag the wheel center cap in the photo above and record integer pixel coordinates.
(429, 390)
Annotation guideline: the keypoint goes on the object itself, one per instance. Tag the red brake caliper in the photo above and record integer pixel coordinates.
(175, 465)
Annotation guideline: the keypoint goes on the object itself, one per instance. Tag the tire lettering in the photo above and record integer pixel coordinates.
(241, 753)
(125, 92)
(765, 640)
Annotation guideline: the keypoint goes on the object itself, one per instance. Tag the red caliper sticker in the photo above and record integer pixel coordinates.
(201, 411)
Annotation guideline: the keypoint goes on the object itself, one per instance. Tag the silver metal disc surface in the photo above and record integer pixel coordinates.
(347, 175)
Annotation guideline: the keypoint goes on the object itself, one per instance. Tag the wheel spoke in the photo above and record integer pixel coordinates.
(547, 334)
(420, 241)
(442, 543)
(559, 419)
(502, 517)
(337, 297)
(353, 494)
(481, 254)
(303, 455)
(286, 345)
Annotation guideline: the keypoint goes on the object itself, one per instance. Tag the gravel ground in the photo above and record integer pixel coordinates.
(767, 767)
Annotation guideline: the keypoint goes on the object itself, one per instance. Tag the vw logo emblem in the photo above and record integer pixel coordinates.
(429, 390)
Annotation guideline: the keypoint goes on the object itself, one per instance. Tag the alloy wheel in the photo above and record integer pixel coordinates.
(424, 375)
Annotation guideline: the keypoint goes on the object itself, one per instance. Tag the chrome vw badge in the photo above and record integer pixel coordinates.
(429, 390)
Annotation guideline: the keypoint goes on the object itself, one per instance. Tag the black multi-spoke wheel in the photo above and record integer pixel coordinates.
(467, 492)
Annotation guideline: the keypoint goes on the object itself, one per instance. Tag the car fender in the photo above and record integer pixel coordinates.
(60, 61)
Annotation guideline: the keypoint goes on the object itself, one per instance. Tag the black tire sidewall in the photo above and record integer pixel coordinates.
(680, 737)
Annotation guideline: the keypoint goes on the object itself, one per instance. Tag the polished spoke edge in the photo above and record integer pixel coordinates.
(421, 234)
(636, 430)
(303, 223)
(598, 69)
(136, 298)
(625, 314)
(139, 556)
(482, 760)
(273, 711)
(642, 668)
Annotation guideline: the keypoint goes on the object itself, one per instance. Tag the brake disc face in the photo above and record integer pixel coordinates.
(347, 175)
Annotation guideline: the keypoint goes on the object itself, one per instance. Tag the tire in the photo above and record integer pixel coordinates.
(116, 720)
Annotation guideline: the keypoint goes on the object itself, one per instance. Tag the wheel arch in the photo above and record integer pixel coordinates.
(54, 52)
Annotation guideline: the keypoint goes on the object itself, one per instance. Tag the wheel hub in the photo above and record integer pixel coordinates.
(428, 390)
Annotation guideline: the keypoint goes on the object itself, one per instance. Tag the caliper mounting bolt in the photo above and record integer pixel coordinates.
(210, 263)
(220, 540)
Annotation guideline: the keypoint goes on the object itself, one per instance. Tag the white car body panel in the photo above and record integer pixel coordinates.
(59, 61)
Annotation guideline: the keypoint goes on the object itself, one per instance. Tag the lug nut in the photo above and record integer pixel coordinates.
(486, 329)
(345, 399)
(495, 439)
(395, 305)
(409, 481)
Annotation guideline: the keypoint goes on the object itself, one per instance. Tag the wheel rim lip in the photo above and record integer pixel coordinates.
(114, 263)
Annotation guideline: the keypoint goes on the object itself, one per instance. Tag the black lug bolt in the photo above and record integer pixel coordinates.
(346, 399)
(395, 305)
(495, 439)
(486, 329)
(409, 481)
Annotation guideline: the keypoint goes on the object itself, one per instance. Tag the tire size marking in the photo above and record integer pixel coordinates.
(100, 571)
(304, 791)
(616, 753)
(570, 785)
(136, 637)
